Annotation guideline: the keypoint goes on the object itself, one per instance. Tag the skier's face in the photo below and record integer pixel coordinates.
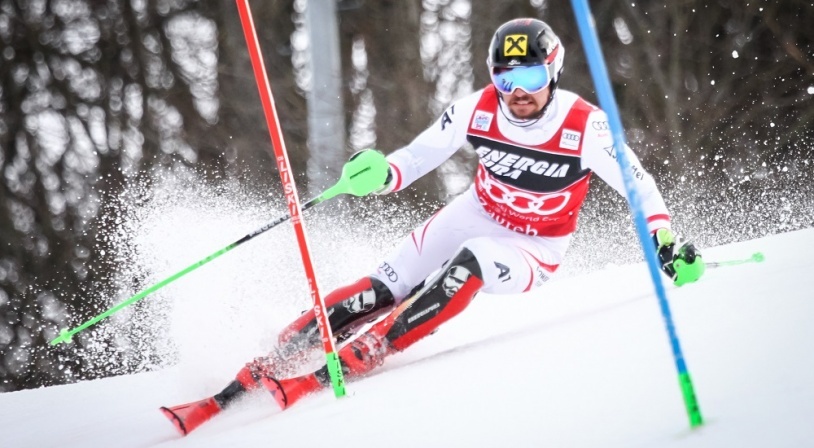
(526, 105)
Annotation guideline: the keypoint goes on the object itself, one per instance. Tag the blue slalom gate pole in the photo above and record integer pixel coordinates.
(607, 101)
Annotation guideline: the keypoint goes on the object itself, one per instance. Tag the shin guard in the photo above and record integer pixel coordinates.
(442, 298)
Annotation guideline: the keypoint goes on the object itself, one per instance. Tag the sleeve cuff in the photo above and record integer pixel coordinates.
(656, 222)
(396, 177)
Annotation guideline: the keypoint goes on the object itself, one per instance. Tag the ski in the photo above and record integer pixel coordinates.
(187, 417)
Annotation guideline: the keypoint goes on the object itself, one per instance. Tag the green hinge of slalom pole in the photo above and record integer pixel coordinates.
(690, 400)
(335, 372)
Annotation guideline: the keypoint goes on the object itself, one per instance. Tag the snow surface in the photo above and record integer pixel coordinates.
(584, 362)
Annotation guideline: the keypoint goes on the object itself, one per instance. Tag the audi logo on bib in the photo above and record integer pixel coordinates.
(523, 202)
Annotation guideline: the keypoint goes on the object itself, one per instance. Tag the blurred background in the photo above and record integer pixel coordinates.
(103, 100)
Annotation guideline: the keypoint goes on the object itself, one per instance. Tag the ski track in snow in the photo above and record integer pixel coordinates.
(582, 362)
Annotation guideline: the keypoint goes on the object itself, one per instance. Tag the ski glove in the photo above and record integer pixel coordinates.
(389, 181)
(680, 260)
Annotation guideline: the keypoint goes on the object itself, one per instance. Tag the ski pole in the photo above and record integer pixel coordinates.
(360, 176)
(756, 257)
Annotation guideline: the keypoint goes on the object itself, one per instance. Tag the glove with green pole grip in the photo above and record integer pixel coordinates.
(680, 260)
(390, 180)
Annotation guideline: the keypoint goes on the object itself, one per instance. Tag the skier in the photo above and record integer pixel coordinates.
(538, 147)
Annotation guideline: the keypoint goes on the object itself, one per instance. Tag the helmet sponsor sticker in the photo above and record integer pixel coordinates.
(515, 45)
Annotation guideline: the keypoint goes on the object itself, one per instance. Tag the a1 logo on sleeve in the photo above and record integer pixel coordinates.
(447, 117)
(570, 139)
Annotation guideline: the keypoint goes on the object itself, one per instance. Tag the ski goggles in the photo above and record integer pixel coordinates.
(531, 79)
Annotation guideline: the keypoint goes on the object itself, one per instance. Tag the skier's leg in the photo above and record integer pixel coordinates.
(418, 255)
(443, 296)
(515, 264)
(347, 308)
(512, 263)
(433, 243)
(422, 252)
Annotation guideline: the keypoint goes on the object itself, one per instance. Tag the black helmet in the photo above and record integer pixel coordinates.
(526, 42)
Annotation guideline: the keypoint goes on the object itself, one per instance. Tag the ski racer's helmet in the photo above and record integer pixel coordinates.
(525, 54)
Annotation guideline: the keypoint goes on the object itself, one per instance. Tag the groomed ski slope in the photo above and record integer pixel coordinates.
(585, 362)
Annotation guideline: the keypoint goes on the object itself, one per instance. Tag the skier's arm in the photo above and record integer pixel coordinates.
(680, 259)
(433, 146)
(599, 155)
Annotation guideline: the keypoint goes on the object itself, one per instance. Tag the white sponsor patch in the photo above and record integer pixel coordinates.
(482, 120)
(570, 139)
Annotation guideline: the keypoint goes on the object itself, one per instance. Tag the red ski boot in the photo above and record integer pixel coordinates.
(358, 358)
(187, 417)
(365, 353)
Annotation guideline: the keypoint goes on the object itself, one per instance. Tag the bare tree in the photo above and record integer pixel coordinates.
(94, 95)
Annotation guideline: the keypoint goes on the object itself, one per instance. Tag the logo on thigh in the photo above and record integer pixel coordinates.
(504, 275)
(541, 276)
(388, 270)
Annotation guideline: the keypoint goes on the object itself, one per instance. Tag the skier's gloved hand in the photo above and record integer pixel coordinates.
(389, 182)
(680, 260)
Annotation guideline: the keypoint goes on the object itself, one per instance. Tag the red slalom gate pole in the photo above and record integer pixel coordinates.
(292, 199)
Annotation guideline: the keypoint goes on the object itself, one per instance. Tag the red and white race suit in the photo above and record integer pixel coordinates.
(532, 178)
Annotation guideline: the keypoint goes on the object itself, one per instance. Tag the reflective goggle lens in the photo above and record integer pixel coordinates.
(530, 79)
